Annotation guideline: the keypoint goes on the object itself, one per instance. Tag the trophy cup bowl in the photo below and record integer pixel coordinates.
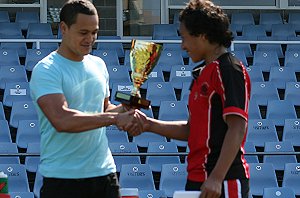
(143, 58)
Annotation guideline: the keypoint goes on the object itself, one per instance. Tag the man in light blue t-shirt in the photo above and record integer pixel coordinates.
(70, 90)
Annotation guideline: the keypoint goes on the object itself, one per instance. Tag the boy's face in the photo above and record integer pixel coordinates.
(194, 45)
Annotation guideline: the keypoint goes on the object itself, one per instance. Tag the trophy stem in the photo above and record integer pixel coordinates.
(136, 92)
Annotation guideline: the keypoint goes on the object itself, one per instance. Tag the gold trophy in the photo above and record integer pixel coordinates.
(143, 58)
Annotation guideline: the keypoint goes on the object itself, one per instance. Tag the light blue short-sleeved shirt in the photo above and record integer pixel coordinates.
(85, 86)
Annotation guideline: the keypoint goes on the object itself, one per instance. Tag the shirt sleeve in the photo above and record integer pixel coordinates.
(45, 80)
(233, 91)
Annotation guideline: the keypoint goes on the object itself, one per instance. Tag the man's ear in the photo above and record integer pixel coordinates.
(63, 27)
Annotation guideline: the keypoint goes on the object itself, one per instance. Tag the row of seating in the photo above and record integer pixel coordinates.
(285, 148)
(173, 177)
(162, 95)
(262, 92)
(267, 19)
(21, 17)
(260, 131)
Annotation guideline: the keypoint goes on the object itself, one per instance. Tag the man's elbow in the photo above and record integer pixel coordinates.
(60, 125)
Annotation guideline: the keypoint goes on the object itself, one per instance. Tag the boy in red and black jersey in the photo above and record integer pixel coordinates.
(218, 105)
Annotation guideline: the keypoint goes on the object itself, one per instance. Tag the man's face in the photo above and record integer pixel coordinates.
(78, 39)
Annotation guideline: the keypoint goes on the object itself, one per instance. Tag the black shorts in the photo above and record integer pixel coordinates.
(230, 188)
(96, 187)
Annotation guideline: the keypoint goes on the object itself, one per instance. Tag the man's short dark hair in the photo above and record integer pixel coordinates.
(203, 17)
(72, 8)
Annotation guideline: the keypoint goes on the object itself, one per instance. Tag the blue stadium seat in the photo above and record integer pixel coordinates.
(22, 111)
(10, 29)
(33, 56)
(2, 114)
(4, 16)
(20, 47)
(4, 132)
(292, 59)
(32, 162)
(279, 161)
(168, 59)
(269, 47)
(233, 28)
(24, 18)
(136, 176)
(279, 76)
(267, 19)
(17, 177)
(9, 148)
(160, 91)
(129, 147)
(292, 92)
(111, 45)
(173, 110)
(239, 19)
(110, 57)
(185, 92)
(180, 74)
(146, 137)
(294, 38)
(287, 30)
(250, 148)
(118, 74)
(245, 47)
(261, 131)
(52, 46)
(254, 111)
(21, 195)
(156, 162)
(164, 30)
(291, 177)
(114, 135)
(292, 47)
(266, 60)
(127, 58)
(173, 177)
(9, 74)
(274, 46)
(262, 92)
(262, 176)
(277, 115)
(278, 192)
(176, 19)
(9, 57)
(241, 56)
(291, 131)
(151, 194)
(255, 74)
(59, 34)
(28, 132)
(38, 182)
(125, 87)
(156, 75)
(294, 18)
(253, 31)
(175, 47)
(39, 30)
(16, 91)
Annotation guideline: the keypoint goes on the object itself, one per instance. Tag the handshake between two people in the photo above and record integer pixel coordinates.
(133, 121)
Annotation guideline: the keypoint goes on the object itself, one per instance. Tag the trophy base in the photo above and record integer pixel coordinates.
(131, 100)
